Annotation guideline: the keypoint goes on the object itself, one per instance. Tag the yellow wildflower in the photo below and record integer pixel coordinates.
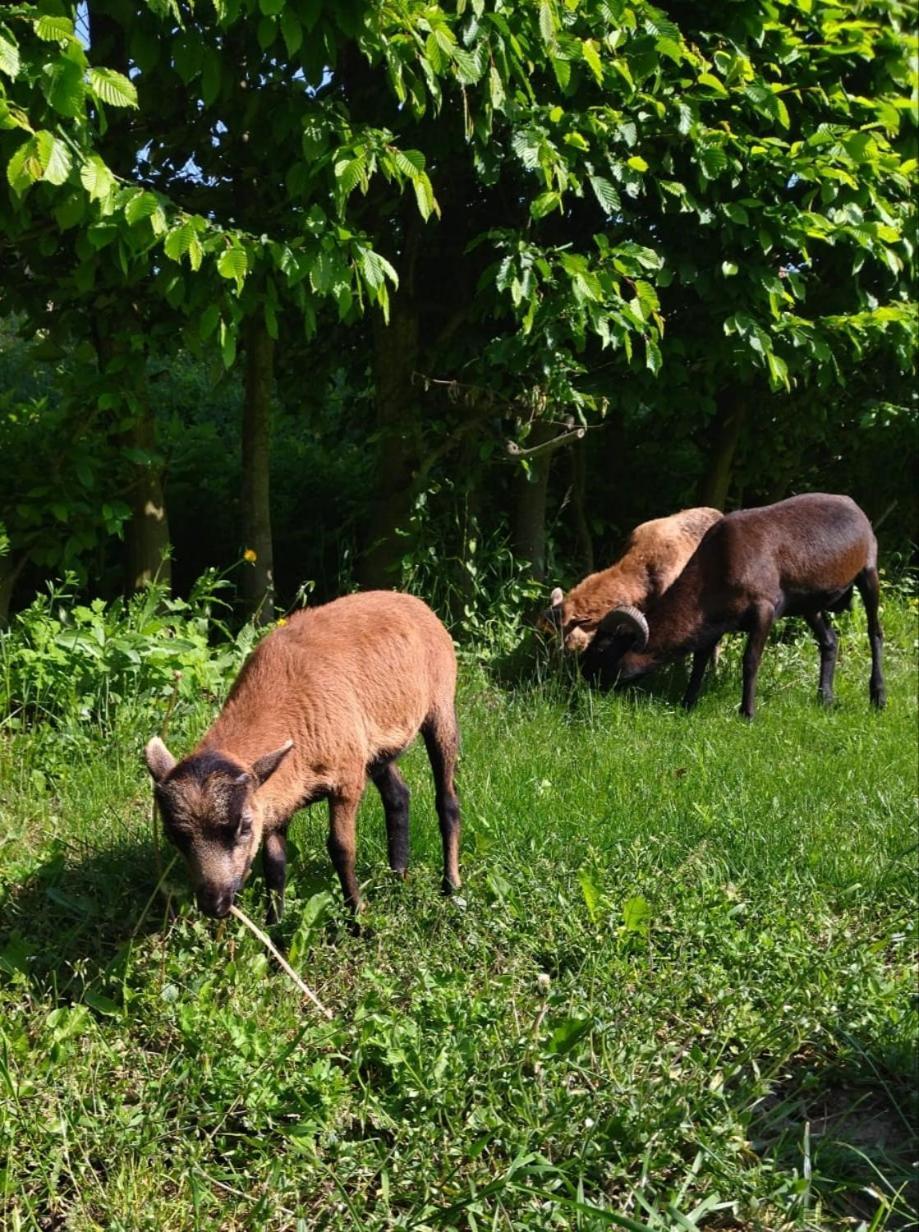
(281, 622)
(250, 555)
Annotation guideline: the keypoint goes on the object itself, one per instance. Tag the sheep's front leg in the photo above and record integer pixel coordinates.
(762, 618)
(274, 866)
(342, 843)
(700, 661)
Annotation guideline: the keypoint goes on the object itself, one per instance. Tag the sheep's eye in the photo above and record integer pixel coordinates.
(244, 829)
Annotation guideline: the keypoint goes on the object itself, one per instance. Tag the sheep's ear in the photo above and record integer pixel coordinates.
(264, 768)
(158, 758)
(552, 616)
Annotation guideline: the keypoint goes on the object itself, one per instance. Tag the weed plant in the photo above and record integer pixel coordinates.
(676, 991)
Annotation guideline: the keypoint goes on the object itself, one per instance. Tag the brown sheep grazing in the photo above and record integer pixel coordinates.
(322, 704)
(653, 559)
(799, 557)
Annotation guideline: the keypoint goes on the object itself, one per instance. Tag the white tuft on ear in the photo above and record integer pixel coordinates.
(158, 758)
(557, 596)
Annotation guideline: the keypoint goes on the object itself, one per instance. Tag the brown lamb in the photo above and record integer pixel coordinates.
(325, 702)
(653, 559)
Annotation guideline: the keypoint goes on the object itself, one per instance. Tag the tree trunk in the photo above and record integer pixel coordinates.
(528, 526)
(585, 546)
(726, 429)
(124, 372)
(395, 349)
(147, 533)
(258, 575)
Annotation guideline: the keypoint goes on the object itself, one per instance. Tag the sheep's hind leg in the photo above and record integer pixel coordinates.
(869, 589)
(342, 842)
(395, 795)
(828, 642)
(274, 866)
(441, 739)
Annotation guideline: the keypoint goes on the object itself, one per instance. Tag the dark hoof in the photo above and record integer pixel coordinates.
(747, 715)
(448, 887)
(879, 700)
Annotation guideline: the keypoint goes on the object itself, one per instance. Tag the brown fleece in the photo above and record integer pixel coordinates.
(654, 557)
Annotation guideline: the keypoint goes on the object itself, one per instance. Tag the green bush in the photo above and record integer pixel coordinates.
(62, 659)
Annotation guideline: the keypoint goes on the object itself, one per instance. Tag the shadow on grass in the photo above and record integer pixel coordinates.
(846, 1122)
(69, 924)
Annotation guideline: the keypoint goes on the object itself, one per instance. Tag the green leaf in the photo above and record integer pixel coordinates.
(53, 28)
(140, 206)
(547, 21)
(23, 169)
(113, 88)
(567, 1034)
(233, 263)
(706, 79)
(591, 57)
(424, 196)
(637, 163)
(291, 30)
(778, 371)
(96, 178)
(271, 8)
(636, 915)
(712, 160)
(58, 161)
(208, 321)
(737, 214)
(544, 204)
(375, 269)
(590, 888)
(350, 172)
(729, 268)
(606, 194)
(178, 241)
(9, 57)
(100, 1003)
(65, 91)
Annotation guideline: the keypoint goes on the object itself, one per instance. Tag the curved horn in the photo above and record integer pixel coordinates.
(633, 620)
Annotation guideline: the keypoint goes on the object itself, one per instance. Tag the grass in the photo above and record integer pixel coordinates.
(677, 990)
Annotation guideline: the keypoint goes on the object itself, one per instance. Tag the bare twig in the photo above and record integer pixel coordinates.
(514, 450)
(269, 944)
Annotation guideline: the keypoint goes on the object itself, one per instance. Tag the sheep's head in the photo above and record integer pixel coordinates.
(574, 629)
(617, 652)
(212, 814)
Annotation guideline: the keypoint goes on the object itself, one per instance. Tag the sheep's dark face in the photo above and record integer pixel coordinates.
(211, 814)
(603, 658)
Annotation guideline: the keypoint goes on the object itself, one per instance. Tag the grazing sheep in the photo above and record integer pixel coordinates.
(321, 705)
(654, 557)
(800, 557)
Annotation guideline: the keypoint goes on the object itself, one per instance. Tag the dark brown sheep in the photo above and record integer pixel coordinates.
(800, 557)
(653, 559)
(322, 704)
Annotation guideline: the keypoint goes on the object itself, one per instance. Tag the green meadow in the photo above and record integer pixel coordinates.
(677, 989)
